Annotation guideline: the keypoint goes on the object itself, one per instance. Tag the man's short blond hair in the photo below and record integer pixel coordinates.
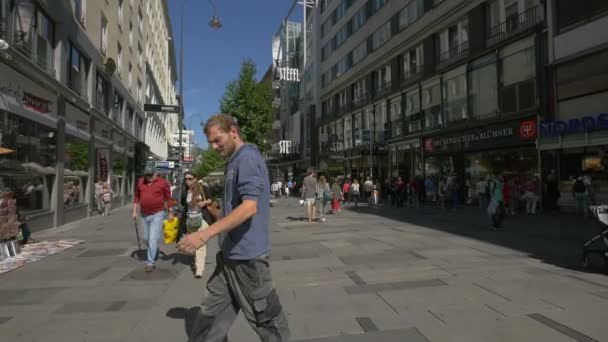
(222, 121)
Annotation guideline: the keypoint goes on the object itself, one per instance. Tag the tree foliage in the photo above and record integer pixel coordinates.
(250, 103)
(78, 156)
(211, 161)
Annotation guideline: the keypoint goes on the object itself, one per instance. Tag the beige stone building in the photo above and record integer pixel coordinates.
(74, 77)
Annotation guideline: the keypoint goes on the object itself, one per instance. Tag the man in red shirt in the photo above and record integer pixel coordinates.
(151, 194)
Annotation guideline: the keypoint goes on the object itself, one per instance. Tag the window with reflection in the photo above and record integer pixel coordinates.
(27, 162)
(76, 171)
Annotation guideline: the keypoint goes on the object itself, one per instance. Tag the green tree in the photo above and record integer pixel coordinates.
(251, 104)
(211, 161)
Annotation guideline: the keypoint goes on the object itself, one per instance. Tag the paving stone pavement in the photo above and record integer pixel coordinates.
(370, 274)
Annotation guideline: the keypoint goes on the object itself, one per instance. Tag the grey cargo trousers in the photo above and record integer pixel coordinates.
(240, 285)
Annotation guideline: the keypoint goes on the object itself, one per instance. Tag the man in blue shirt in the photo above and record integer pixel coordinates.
(241, 280)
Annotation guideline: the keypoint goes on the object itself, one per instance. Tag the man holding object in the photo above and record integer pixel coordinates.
(151, 194)
(242, 279)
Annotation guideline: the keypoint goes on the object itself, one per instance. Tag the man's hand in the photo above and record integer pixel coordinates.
(135, 216)
(204, 204)
(191, 242)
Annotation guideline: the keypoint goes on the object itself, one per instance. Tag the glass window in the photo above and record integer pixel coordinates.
(24, 25)
(117, 107)
(518, 67)
(104, 35)
(377, 5)
(348, 135)
(44, 42)
(131, 35)
(120, 13)
(359, 52)
(130, 78)
(78, 72)
(431, 105)
(101, 93)
(129, 119)
(570, 12)
(454, 40)
(359, 19)
(396, 119)
(484, 91)
(410, 13)
(381, 36)
(455, 98)
(27, 173)
(76, 171)
(4, 14)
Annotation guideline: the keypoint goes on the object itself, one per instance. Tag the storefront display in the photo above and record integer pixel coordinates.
(505, 148)
(76, 171)
(29, 170)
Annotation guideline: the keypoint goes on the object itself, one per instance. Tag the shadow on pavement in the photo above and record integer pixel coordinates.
(188, 315)
(554, 239)
(178, 258)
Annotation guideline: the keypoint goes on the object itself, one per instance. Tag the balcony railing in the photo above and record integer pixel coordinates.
(360, 101)
(412, 75)
(383, 89)
(514, 25)
(454, 54)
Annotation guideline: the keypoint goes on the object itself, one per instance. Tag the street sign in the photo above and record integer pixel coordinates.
(149, 107)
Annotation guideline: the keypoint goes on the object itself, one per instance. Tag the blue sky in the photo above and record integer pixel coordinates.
(213, 57)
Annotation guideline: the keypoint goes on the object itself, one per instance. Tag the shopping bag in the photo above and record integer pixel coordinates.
(170, 229)
(492, 207)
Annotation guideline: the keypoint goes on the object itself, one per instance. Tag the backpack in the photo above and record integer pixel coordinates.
(327, 194)
(579, 187)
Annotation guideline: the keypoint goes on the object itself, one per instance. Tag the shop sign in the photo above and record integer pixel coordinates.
(19, 91)
(499, 135)
(576, 125)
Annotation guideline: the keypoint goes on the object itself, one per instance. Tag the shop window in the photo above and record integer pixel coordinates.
(28, 170)
(483, 87)
(455, 98)
(76, 171)
(118, 167)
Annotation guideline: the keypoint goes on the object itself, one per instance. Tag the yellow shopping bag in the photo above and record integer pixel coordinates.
(170, 229)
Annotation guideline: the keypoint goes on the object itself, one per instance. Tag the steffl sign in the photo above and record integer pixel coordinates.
(289, 74)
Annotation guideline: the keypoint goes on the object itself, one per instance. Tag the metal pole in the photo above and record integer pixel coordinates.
(181, 84)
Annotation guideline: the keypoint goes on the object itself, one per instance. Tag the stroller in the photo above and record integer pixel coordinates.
(599, 243)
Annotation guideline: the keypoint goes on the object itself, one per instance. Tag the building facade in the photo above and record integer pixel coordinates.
(431, 88)
(72, 92)
(574, 135)
(286, 155)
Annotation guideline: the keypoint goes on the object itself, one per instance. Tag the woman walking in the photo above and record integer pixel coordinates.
(354, 191)
(323, 196)
(105, 199)
(193, 200)
(336, 197)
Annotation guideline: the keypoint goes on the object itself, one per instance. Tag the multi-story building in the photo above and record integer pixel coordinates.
(431, 87)
(574, 135)
(286, 157)
(72, 91)
(161, 75)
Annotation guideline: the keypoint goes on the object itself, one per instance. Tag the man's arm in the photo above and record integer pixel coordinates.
(246, 210)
